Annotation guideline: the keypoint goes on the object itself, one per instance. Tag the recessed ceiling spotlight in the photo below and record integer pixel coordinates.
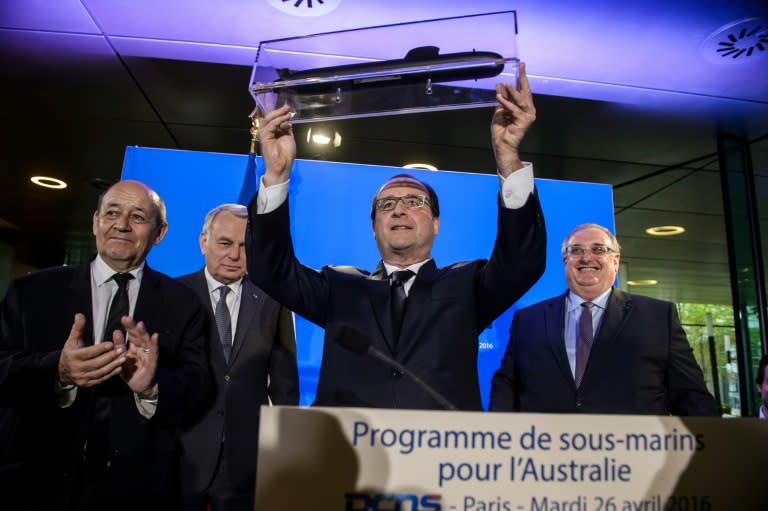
(642, 282)
(665, 230)
(422, 166)
(323, 136)
(48, 182)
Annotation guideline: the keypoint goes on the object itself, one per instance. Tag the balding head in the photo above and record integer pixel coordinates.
(129, 219)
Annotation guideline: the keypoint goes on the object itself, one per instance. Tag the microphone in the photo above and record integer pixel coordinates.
(354, 340)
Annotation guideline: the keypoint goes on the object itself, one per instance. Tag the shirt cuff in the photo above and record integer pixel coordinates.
(269, 198)
(517, 187)
(146, 407)
(65, 394)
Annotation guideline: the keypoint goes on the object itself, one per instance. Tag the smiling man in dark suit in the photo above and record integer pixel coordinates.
(253, 354)
(426, 317)
(596, 349)
(87, 420)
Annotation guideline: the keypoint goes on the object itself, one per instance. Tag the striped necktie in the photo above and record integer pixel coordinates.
(224, 322)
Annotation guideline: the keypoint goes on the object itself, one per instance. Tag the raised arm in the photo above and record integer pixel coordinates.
(514, 114)
(278, 146)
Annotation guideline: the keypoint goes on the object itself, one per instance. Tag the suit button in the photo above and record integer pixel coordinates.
(220, 413)
(396, 373)
(227, 378)
(578, 404)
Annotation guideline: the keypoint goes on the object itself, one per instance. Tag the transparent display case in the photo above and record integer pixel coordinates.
(438, 64)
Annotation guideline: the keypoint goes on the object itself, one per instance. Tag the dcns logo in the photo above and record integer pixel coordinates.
(391, 502)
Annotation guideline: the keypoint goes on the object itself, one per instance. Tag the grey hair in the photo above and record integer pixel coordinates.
(581, 227)
(159, 206)
(238, 210)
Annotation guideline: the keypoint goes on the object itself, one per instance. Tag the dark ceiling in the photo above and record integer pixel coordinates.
(622, 92)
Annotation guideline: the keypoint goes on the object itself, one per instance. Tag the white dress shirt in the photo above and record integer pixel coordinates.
(515, 190)
(414, 268)
(103, 290)
(232, 298)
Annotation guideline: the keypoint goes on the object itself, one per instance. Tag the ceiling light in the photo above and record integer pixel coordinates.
(322, 136)
(321, 139)
(665, 230)
(642, 282)
(48, 182)
(422, 166)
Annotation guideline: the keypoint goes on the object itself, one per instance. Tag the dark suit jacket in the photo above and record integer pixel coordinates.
(262, 365)
(41, 444)
(446, 311)
(640, 363)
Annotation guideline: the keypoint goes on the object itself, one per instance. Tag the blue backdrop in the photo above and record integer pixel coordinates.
(330, 205)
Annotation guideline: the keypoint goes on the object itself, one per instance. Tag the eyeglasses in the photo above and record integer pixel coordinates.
(595, 250)
(409, 201)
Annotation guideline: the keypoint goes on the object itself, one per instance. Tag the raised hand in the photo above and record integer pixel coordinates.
(278, 147)
(140, 366)
(86, 366)
(514, 114)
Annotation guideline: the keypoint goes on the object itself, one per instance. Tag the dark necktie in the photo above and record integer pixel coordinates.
(224, 322)
(584, 340)
(119, 306)
(97, 444)
(398, 298)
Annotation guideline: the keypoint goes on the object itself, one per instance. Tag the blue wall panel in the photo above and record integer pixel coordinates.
(330, 205)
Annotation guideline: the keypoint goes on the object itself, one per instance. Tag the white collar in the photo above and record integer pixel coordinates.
(102, 272)
(414, 267)
(574, 301)
(214, 284)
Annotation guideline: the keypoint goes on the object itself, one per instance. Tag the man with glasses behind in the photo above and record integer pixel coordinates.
(596, 349)
(425, 317)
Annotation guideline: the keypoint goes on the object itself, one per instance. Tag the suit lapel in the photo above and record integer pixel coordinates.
(201, 288)
(617, 310)
(80, 298)
(249, 303)
(378, 297)
(419, 297)
(554, 319)
(150, 300)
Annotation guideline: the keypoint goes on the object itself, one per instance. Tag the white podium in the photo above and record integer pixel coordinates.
(359, 459)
